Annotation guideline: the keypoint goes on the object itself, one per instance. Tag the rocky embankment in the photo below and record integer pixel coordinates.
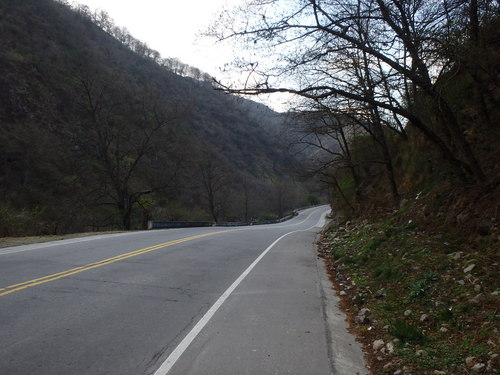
(420, 303)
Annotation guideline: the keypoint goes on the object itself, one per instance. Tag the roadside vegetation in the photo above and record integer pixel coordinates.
(420, 301)
(18, 241)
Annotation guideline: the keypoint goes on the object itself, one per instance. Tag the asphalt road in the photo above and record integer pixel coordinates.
(244, 300)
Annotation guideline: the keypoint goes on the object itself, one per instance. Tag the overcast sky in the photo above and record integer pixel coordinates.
(171, 27)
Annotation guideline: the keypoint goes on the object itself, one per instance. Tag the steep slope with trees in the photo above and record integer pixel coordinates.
(98, 131)
(383, 64)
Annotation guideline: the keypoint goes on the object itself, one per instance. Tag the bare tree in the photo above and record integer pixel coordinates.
(322, 137)
(215, 185)
(130, 143)
(395, 45)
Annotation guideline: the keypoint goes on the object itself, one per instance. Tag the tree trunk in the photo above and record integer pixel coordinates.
(382, 142)
(470, 165)
(211, 205)
(378, 130)
(474, 22)
(145, 219)
(246, 201)
(339, 189)
(352, 169)
(127, 216)
(125, 210)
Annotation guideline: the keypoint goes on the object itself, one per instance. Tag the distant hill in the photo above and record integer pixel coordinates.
(98, 132)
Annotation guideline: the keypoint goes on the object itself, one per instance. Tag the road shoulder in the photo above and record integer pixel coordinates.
(280, 320)
(344, 351)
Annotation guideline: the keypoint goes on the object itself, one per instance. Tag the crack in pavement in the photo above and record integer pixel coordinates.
(156, 356)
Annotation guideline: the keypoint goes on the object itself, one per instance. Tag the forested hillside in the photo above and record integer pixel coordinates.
(99, 132)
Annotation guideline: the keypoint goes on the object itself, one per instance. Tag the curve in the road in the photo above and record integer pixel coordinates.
(56, 276)
(167, 365)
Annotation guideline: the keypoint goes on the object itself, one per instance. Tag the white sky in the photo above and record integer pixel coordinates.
(172, 27)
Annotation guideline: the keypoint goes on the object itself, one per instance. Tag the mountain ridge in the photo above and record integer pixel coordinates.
(89, 123)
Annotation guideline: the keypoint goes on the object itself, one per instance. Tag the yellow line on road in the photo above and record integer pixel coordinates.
(45, 279)
(55, 276)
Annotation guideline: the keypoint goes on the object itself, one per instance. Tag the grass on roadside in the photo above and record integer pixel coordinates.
(18, 241)
(434, 296)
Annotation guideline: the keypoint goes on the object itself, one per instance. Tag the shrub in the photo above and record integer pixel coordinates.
(406, 332)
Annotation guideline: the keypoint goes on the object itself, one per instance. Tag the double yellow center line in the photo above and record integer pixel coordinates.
(45, 279)
(42, 280)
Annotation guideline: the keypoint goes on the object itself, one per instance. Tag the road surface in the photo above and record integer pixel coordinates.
(245, 300)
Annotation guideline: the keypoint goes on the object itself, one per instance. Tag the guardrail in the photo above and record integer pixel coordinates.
(178, 224)
(195, 224)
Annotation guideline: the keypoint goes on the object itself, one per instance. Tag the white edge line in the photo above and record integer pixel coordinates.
(184, 344)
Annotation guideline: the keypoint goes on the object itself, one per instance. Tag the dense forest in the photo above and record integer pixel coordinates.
(98, 132)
